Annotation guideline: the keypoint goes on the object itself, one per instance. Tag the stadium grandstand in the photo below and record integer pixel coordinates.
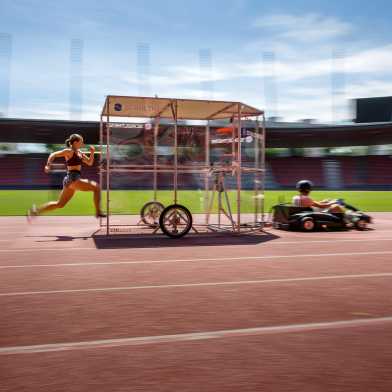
(344, 156)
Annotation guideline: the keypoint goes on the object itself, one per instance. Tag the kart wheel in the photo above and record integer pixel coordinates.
(361, 224)
(151, 212)
(307, 224)
(175, 221)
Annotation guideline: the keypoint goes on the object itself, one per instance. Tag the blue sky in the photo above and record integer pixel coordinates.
(296, 59)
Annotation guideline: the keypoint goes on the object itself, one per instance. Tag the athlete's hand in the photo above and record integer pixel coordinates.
(92, 149)
(47, 169)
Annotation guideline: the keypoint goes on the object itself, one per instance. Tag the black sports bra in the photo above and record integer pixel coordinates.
(75, 160)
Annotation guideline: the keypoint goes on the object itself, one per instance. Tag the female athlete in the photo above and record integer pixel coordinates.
(72, 182)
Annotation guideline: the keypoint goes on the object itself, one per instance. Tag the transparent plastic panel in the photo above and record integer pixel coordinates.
(211, 182)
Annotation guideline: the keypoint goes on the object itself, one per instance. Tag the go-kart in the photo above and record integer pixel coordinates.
(289, 217)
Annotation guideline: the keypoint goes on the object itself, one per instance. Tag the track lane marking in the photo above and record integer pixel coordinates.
(225, 259)
(272, 242)
(202, 284)
(208, 335)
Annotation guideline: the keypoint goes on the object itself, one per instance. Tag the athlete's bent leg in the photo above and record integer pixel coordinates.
(90, 186)
(64, 198)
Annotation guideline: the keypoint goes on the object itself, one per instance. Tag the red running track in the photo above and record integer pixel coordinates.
(276, 311)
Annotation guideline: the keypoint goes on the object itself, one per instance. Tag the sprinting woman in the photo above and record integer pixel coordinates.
(73, 181)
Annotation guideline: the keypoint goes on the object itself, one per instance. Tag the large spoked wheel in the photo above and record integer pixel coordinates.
(151, 212)
(175, 221)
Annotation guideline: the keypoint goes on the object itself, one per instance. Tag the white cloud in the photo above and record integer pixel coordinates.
(366, 62)
(55, 111)
(306, 28)
(371, 88)
(372, 60)
(193, 93)
(178, 75)
(362, 62)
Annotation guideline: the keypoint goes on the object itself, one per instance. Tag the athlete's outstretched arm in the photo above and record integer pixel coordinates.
(53, 156)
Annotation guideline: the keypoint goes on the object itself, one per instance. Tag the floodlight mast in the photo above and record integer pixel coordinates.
(107, 166)
(239, 163)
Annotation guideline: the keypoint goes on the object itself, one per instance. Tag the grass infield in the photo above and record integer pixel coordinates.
(16, 202)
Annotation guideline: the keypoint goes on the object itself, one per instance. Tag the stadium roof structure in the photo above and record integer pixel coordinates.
(278, 135)
(174, 108)
(342, 135)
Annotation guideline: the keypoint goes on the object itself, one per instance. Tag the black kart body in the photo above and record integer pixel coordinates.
(289, 217)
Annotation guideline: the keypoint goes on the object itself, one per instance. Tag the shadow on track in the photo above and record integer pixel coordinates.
(159, 240)
(58, 238)
(134, 241)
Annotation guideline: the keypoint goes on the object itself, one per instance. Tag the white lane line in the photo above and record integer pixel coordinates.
(223, 259)
(227, 333)
(203, 284)
(301, 240)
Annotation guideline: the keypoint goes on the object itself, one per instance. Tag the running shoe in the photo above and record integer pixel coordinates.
(31, 213)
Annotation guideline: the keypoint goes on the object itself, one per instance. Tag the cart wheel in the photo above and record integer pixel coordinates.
(151, 212)
(175, 221)
(307, 224)
(361, 224)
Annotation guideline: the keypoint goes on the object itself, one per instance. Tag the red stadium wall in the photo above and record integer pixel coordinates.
(287, 171)
(361, 172)
(25, 171)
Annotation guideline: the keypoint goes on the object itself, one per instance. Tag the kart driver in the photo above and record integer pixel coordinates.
(303, 199)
